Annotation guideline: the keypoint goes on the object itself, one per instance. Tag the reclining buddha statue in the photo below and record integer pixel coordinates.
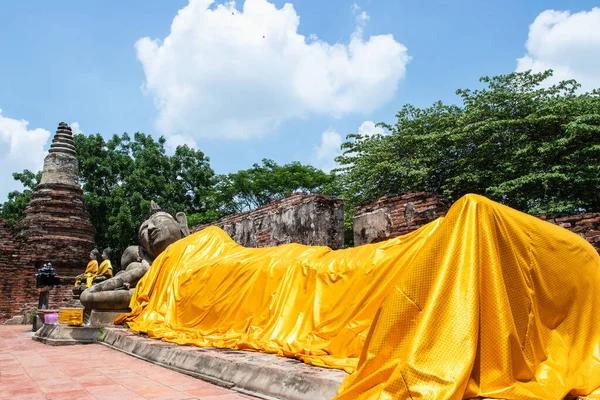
(484, 302)
(156, 233)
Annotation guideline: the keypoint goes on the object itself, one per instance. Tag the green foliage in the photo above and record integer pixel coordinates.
(531, 147)
(121, 176)
(262, 184)
(12, 209)
(518, 141)
(101, 334)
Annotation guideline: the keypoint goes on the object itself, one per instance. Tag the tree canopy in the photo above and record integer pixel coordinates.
(12, 209)
(528, 145)
(263, 183)
(532, 146)
(120, 177)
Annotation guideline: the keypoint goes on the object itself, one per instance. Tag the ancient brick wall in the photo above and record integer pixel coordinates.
(56, 225)
(585, 225)
(396, 215)
(310, 219)
(18, 293)
(391, 216)
(15, 269)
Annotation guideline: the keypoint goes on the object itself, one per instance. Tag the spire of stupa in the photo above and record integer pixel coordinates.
(60, 165)
(63, 141)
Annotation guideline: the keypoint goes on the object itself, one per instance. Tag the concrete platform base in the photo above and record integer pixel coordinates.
(64, 335)
(105, 318)
(258, 374)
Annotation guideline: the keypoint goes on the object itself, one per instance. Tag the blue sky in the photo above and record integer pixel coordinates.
(240, 82)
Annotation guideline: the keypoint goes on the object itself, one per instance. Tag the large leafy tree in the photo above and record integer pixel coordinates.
(266, 182)
(12, 209)
(518, 141)
(120, 177)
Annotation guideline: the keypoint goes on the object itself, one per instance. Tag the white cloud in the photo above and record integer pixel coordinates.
(330, 146)
(179, 140)
(25, 147)
(20, 148)
(75, 128)
(327, 150)
(368, 128)
(229, 74)
(361, 16)
(567, 43)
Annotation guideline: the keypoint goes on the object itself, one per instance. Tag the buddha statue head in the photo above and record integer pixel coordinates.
(160, 229)
(95, 255)
(107, 253)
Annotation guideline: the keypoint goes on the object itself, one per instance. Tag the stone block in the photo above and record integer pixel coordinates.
(372, 227)
(309, 219)
(105, 318)
(64, 335)
(396, 215)
(16, 320)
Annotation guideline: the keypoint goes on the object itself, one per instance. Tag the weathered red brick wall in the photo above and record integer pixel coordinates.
(585, 225)
(56, 225)
(18, 293)
(16, 269)
(391, 216)
(396, 215)
(311, 219)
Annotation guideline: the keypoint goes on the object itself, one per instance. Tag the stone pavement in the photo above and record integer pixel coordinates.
(31, 370)
(262, 374)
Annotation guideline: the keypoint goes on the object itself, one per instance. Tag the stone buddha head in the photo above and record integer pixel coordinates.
(161, 229)
(106, 253)
(95, 255)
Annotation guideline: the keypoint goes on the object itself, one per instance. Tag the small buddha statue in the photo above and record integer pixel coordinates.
(90, 270)
(155, 234)
(105, 270)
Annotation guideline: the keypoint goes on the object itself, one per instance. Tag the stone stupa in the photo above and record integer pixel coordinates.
(56, 226)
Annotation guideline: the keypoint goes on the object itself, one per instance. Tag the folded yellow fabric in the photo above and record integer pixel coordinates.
(485, 302)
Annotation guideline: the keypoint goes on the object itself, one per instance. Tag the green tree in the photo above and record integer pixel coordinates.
(266, 182)
(533, 147)
(122, 175)
(12, 209)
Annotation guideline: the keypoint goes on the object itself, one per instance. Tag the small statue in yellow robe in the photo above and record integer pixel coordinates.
(90, 270)
(105, 270)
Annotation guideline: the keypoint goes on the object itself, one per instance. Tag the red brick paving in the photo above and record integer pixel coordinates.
(31, 370)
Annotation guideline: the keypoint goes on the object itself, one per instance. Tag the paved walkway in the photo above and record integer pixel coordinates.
(31, 370)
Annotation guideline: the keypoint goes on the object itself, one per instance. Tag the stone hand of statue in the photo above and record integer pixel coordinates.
(130, 277)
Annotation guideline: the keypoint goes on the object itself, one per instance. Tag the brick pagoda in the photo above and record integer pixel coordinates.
(56, 227)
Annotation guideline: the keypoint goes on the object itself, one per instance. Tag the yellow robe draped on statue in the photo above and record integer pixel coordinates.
(90, 272)
(485, 302)
(105, 268)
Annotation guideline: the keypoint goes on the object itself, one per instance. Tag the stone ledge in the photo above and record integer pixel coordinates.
(65, 335)
(61, 342)
(259, 374)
